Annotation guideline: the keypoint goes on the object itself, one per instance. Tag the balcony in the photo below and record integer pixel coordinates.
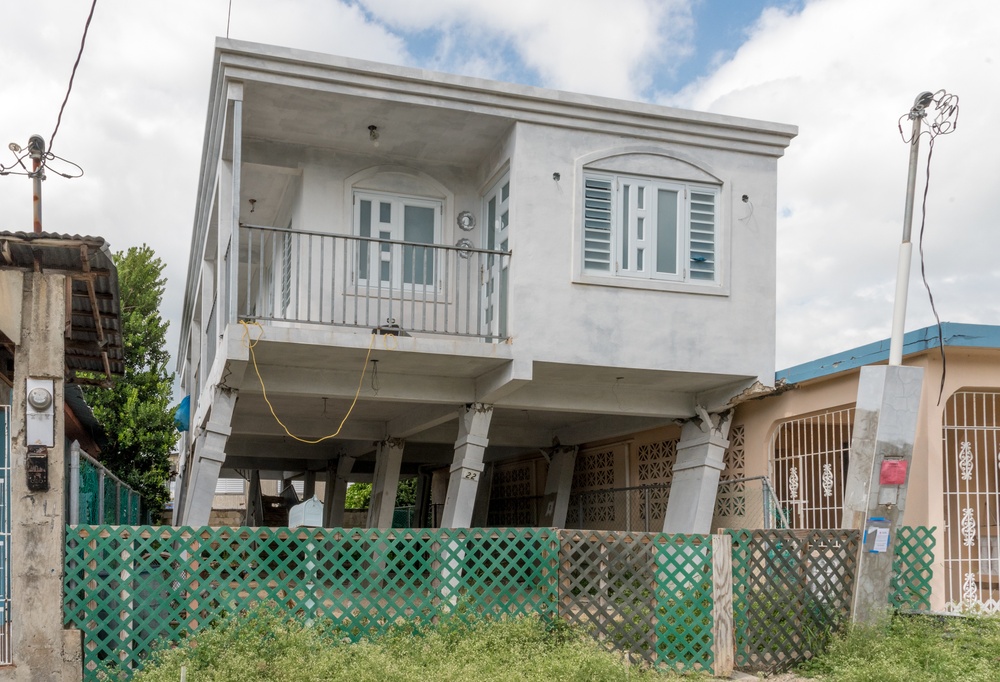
(319, 278)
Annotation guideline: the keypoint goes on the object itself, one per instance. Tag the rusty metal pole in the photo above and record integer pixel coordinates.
(36, 149)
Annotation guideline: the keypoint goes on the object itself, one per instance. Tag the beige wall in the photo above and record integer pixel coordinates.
(966, 368)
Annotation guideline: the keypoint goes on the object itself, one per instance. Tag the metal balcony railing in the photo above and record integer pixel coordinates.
(345, 280)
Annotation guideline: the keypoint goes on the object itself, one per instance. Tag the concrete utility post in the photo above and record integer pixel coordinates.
(36, 150)
(885, 418)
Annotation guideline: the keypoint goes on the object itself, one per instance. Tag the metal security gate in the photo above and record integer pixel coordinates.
(5, 635)
(972, 501)
(809, 467)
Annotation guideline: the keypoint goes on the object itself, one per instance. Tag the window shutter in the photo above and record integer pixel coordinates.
(702, 243)
(597, 247)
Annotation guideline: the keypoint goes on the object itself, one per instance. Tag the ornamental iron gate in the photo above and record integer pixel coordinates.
(972, 501)
(5, 527)
(809, 467)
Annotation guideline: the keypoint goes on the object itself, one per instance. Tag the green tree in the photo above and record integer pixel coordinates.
(136, 412)
(359, 495)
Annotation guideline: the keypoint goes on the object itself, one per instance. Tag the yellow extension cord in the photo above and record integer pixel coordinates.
(251, 342)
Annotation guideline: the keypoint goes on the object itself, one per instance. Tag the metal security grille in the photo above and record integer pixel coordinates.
(5, 567)
(809, 467)
(972, 501)
(791, 590)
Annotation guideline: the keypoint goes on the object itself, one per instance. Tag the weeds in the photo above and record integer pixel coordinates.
(905, 648)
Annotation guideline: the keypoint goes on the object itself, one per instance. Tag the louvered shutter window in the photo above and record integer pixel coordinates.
(597, 245)
(702, 215)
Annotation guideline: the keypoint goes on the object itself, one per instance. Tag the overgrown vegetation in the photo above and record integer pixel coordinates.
(905, 648)
(263, 645)
(136, 412)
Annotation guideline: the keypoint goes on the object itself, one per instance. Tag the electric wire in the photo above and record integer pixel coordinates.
(69, 88)
(944, 123)
(250, 343)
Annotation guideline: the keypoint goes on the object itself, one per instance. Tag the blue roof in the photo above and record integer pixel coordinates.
(961, 335)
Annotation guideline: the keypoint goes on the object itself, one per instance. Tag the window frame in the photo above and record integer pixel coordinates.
(620, 275)
(398, 204)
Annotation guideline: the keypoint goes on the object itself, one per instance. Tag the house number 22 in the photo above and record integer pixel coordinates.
(471, 475)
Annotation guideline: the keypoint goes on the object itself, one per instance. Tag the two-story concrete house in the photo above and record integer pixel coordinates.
(393, 269)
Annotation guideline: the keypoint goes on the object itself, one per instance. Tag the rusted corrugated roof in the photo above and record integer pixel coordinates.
(94, 341)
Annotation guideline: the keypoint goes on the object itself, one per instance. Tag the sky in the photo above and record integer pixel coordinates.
(843, 71)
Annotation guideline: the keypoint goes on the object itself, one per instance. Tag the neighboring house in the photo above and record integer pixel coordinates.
(59, 327)
(801, 439)
(425, 271)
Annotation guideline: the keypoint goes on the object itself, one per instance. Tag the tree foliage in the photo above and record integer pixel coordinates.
(359, 495)
(136, 412)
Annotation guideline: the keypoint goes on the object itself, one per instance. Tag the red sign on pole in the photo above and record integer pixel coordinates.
(893, 472)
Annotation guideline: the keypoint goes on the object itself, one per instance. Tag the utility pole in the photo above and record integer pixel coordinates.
(885, 415)
(917, 114)
(36, 150)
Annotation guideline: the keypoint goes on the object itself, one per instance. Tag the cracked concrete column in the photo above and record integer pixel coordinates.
(885, 428)
(467, 465)
(388, 458)
(558, 484)
(695, 484)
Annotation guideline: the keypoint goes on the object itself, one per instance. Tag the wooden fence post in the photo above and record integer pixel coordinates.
(723, 642)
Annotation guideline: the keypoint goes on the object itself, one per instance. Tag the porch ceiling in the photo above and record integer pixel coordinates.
(337, 120)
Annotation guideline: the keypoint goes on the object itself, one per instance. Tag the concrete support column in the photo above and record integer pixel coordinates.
(208, 457)
(336, 492)
(255, 502)
(388, 458)
(558, 484)
(309, 486)
(695, 483)
(467, 465)
(422, 507)
(885, 427)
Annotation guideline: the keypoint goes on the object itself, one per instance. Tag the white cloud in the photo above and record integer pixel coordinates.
(844, 71)
(590, 46)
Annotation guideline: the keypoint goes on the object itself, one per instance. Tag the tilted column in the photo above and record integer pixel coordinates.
(467, 465)
(558, 484)
(208, 457)
(695, 483)
(255, 508)
(336, 491)
(388, 459)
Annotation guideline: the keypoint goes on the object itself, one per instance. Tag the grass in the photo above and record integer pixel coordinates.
(912, 648)
(263, 645)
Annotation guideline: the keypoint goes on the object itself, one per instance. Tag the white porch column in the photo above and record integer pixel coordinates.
(558, 483)
(207, 458)
(388, 458)
(695, 484)
(336, 491)
(467, 465)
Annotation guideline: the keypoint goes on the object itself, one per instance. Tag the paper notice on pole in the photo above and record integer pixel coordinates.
(881, 540)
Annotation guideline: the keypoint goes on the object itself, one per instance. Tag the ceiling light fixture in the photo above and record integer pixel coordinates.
(373, 134)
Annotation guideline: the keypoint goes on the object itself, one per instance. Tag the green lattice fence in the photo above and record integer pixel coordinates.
(128, 587)
(912, 568)
(791, 590)
(647, 593)
(650, 593)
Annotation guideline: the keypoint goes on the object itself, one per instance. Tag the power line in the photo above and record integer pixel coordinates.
(69, 88)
